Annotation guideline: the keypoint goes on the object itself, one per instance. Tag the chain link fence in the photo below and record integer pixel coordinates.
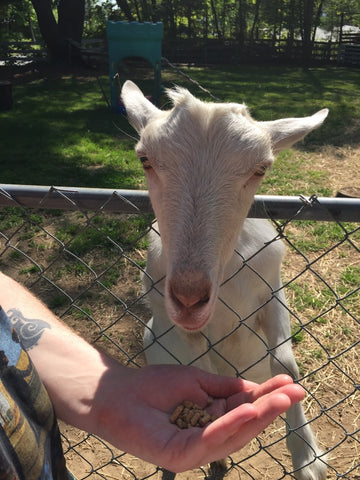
(83, 252)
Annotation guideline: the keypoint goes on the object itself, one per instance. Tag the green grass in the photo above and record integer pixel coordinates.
(61, 132)
(305, 297)
(351, 276)
(280, 91)
(103, 232)
(318, 236)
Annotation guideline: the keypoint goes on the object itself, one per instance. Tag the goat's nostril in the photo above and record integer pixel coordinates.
(190, 296)
(190, 301)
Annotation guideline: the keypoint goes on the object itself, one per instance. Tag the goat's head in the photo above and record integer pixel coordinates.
(203, 164)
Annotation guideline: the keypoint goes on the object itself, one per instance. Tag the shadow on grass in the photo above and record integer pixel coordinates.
(60, 131)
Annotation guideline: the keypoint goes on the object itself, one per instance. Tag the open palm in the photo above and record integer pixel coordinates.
(138, 419)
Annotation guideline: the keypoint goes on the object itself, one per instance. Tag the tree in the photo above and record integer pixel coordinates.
(215, 17)
(307, 25)
(61, 36)
(17, 21)
(241, 22)
(255, 20)
(61, 22)
(124, 7)
(311, 20)
(338, 13)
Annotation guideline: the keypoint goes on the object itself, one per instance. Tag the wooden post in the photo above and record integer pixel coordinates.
(6, 100)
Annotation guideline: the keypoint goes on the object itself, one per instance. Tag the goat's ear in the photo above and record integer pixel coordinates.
(287, 131)
(138, 108)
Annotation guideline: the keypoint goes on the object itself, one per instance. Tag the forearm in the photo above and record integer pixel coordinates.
(70, 368)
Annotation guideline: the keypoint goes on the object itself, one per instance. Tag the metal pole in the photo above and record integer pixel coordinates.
(136, 201)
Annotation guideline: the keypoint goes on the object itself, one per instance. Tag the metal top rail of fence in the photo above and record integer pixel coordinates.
(129, 201)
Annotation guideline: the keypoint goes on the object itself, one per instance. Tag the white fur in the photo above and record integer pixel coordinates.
(213, 278)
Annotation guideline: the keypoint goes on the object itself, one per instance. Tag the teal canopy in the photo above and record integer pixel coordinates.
(134, 39)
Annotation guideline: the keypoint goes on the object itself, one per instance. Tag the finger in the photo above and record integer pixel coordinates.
(235, 429)
(230, 433)
(264, 411)
(293, 391)
(221, 386)
(271, 385)
(254, 391)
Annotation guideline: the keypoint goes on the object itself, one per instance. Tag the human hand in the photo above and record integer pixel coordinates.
(137, 410)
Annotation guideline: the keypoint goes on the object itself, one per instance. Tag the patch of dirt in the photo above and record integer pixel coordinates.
(341, 165)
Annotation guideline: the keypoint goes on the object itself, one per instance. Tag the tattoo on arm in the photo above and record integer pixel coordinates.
(29, 330)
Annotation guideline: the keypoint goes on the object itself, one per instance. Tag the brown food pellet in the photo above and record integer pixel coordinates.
(189, 414)
(206, 418)
(181, 424)
(195, 418)
(176, 413)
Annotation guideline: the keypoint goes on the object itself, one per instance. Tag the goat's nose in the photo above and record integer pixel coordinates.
(190, 289)
(188, 301)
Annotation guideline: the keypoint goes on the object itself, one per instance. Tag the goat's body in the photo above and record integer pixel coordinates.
(249, 333)
(222, 311)
(235, 331)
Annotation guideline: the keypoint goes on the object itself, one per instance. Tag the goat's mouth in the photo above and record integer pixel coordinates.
(190, 304)
(190, 319)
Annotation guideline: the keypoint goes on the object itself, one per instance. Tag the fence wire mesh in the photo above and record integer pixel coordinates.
(86, 264)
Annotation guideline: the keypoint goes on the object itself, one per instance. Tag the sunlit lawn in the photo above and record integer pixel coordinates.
(61, 132)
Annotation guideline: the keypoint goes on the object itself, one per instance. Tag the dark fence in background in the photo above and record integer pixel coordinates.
(259, 51)
(203, 52)
(20, 53)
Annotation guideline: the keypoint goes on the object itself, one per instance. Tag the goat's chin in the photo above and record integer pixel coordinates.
(189, 325)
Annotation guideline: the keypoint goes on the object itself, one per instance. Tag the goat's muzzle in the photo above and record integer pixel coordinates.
(189, 299)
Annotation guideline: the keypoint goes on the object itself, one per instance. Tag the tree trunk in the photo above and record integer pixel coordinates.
(31, 29)
(216, 23)
(189, 20)
(242, 23)
(317, 19)
(170, 14)
(206, 26)
(154, 13)
(256, 20)
(291, 29)
(71, 15)
(307, 43)
(58, 36)
(49, 28)
(124, 7)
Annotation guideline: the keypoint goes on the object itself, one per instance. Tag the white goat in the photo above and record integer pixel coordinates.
(214, 276)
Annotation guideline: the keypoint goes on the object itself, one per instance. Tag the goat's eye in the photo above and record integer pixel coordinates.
(145, 163)
(260, 171)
